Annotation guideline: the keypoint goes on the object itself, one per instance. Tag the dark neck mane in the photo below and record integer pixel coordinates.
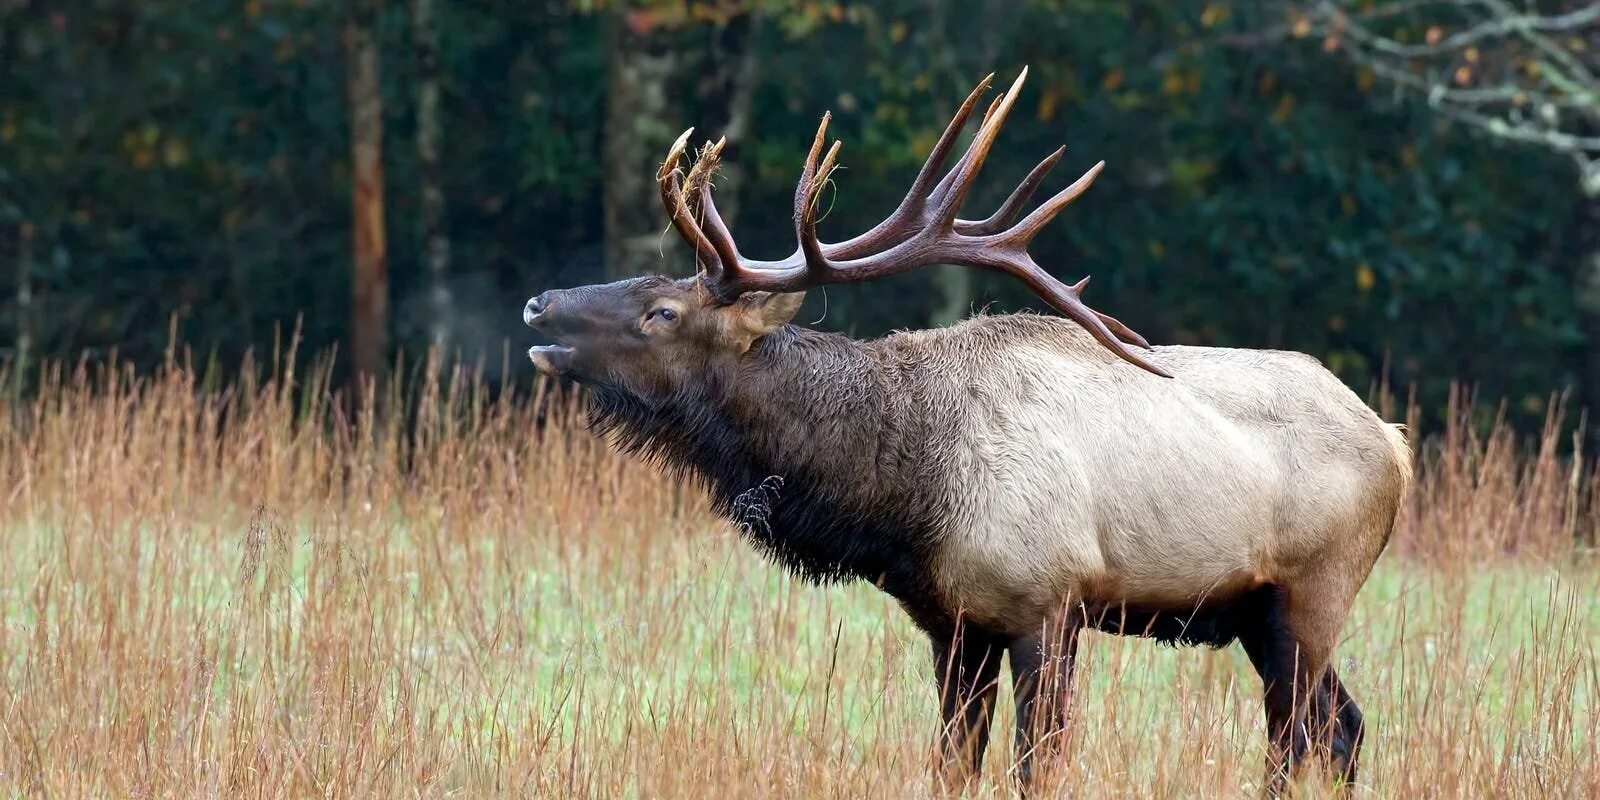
(799, 447)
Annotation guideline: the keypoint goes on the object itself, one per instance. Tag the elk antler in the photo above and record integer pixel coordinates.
(922, 230)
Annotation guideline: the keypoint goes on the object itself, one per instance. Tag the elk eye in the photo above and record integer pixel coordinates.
(667, 314)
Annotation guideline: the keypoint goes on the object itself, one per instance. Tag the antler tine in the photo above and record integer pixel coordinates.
(944, 183)
(830, 162)
(802, 188)
(1008, 211)
(670, 181)
(697, 191)
(1065, 299)
(953, 189)
(941, 149)
(1024, 231)
(1019, 236)
(700, 172)
(905, 219)
(817, 264)
(1122, 331)
(993, 104)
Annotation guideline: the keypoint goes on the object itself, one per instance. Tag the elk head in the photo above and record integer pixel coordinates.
(653, 336)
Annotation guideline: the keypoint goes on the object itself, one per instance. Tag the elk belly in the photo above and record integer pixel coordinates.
(1016, 572)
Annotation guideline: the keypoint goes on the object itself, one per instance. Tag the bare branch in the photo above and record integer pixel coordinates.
(1541, 104)
(1507, 21)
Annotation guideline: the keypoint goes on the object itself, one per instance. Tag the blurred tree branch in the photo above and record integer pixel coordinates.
(1514, 73)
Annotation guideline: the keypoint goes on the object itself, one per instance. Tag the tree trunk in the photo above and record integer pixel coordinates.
(24, 319)
(1585, 248)
(640, 120)
(435, 241)
(369, 314)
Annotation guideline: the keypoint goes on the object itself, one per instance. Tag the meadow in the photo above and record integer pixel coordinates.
(260, 590)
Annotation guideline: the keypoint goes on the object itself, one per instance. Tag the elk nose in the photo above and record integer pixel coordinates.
(535, 309)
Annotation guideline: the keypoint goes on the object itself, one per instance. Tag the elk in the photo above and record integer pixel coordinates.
(1011, 480)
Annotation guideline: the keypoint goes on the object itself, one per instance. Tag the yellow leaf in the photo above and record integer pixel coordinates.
(175, 153)
(1112, 80)
(1285, 108)
(1214, 13)
(1364, 78)
(1171, 82)
(1365, 277)
(1347, 204)
(1435, 33)
(1302, 28)
(1158, 250)
(897, 31)
(1048, 102)
(1472, 55)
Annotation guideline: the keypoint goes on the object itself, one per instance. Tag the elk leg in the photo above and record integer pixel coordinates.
(1041, 680)
(967, 663)
(1286, 667)
(1337, 720)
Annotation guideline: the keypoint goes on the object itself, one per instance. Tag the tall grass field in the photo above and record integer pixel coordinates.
(260, 590)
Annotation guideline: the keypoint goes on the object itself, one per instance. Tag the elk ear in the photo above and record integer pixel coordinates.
(765, 312)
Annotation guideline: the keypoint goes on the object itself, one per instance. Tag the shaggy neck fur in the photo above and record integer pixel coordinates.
(807, 448)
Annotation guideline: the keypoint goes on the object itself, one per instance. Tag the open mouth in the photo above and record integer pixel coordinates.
(551, 359)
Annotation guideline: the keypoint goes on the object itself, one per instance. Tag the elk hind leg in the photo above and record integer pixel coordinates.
(1289, 636)
(1336, 723)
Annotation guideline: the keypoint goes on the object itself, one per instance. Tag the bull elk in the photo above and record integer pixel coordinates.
(1011, 480)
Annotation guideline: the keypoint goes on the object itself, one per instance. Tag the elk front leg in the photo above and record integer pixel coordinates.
(1041, 679)
(967, 663)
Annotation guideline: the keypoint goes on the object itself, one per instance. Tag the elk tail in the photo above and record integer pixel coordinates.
(1400, 449)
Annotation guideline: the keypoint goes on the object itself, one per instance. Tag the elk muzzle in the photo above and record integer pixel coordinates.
(535, 309)
(551, 359)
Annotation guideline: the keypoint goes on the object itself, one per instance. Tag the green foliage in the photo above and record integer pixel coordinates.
(190, 159)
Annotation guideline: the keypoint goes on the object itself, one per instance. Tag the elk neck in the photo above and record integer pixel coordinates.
(807, 446)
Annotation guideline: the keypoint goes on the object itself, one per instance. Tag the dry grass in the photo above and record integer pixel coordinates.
(252, 593)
